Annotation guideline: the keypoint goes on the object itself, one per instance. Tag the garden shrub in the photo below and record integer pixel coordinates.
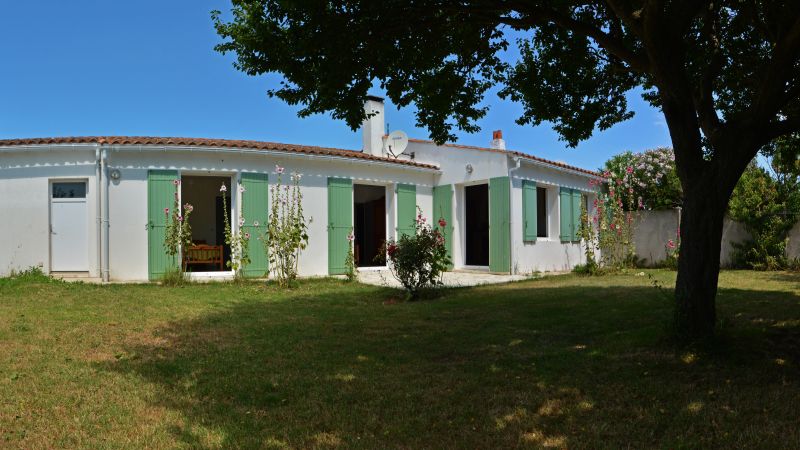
(287, 232)
(418, 261)
(178, 234)
(652, 177)
(236, 240)
(768, 206)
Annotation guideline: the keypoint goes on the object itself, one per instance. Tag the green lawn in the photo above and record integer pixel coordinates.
(559, 362)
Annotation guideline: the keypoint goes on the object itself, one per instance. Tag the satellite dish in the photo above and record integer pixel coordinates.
(396, 143)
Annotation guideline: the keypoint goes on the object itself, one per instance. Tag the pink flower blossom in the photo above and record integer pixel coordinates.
(188, 207)
(176, 182)
(671, 243)
(241, 188)
(223, 188)
(351, 237)
(629, 169)
(279, 170)
(166, 211)
(180, 218)
(247, 235)
(442, 223)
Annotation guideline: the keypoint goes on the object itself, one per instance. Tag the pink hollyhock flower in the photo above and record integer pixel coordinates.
(442, 223)
(351, 237)
(166, 211)
(188, 207)
(247, 235)
(671, 243)
(180, 218)
(279, 170)
(241, 188)
(223, 188)
(176, 182)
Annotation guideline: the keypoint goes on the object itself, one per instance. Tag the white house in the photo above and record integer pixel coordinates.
(93, 206)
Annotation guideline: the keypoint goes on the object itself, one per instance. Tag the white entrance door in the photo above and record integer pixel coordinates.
(69, 227)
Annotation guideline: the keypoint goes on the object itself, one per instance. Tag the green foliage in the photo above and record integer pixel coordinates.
(768, 206)
(610, 227)
(418, 261)
(178, 234)
(287, 232)
(350, 260)
(174, 277)
(31, 274)
(652, 176)
(237, 240)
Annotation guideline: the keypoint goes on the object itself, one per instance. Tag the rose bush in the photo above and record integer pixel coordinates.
(418, 261)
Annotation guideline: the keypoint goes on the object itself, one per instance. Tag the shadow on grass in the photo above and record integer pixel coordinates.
(496, 366)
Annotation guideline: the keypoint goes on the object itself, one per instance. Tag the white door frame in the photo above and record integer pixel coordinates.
(50, 202)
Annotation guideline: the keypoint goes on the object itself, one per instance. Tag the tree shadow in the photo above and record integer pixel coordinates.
(495, 366)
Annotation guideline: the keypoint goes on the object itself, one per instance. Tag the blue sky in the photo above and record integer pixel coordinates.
(100, 67)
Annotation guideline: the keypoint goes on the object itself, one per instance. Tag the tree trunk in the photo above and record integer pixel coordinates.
(698, 266)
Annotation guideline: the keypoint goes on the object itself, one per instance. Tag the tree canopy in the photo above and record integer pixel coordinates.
(725, 74)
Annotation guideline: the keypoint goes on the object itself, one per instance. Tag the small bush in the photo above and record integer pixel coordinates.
(174, 277)
(418, 261)
(31, 274)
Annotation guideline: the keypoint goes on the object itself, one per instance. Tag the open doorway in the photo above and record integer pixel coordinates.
(209, 251)
(370, 225)
(476, 218)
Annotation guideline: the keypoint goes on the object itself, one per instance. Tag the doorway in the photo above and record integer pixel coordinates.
(69, 227)
(476, 218)
(369, 225)
(209, 252)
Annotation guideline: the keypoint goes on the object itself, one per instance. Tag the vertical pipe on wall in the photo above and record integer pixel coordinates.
(106, 253)
(98, 211)
(518, 163)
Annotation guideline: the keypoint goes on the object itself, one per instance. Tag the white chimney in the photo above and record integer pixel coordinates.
(497, 140)
(373, 128)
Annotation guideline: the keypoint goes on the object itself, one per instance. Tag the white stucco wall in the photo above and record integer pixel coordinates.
(546, 254)
(655, 228)
(25, 175)
(128, 234)
(25, 204)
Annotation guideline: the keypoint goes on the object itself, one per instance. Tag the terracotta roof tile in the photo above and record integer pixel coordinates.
(514, 153)
(202, 142)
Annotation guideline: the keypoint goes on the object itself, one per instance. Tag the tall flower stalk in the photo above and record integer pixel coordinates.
(178, 233)
(613, 223)
(287, 232)
(236, 240)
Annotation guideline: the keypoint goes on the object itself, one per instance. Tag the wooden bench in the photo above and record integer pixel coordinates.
(203, 254)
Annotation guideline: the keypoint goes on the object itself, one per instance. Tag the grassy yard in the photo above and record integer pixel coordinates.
(559, 362)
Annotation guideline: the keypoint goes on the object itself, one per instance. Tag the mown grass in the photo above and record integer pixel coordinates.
(559, 362)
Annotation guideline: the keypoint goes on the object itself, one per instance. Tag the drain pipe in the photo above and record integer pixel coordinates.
(106, 254)
(98, 210)
(518, 163)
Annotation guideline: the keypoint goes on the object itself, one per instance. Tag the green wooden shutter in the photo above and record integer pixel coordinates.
(499, 224)
(443, 209)
(576, 214)
(340, 222)
(406, 209)
(565, 213)
(529, 217)
(160, 195)
(255, 208)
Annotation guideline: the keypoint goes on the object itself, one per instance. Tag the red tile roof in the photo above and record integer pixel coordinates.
(201, 142)
(512, 153)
